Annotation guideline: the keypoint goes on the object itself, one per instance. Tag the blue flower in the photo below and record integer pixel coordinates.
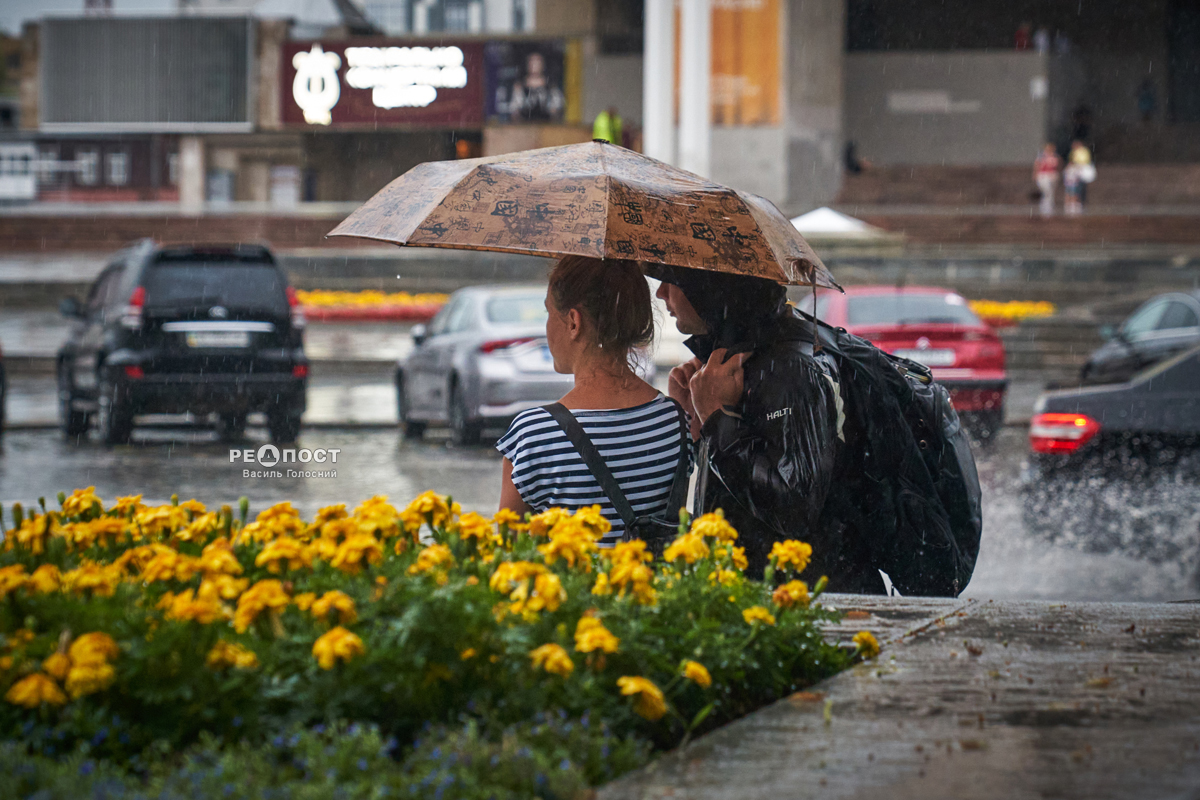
(86, 767)
(565, 764)
(237, 721)
(318, 729)
(362, 764)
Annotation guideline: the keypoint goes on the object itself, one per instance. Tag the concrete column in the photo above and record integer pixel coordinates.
(658, 81)
(191, 174)
(815, 64)
(695, 81)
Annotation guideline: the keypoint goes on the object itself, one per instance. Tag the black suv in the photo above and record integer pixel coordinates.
(180, 329)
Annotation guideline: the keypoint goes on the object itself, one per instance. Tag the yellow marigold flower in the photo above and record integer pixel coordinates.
(790, 553)
(230, 654)
(633, 576)
(57, 665)
(553, 659)
(758, 614)
(21, 636)
(509, 573)
(355, 552)
(169, 565)
(93, 647)
(649, 701)
(324, 548)
(591, 635)
(217, 557)
(161, 520)
(337, 644)
(506, 516)
(602, 586)
(572, 541)
(695, 672)
(468, 654)
(81, 501)
(125, 505)
(336, 601)
(790, 594)
(690, 547)
(330, 513)
(284, 550)
(31, 535)
(99, 579)
(187, 607)
(866, 644)
(726, 577)
(631, 552)
(541, 524)
(102, 531)
(591, 518)
(304, 601)
(644, 593)
(474, 526)
(280, 519)
(6, 663)
(90, 671)
(714, 526)
(11, 579)
(432, 508)
(194, 506)
(378, 516)
(33, 690)
(225, 587)
(739, 558)
(200, 528)
(435, 558)
(263, 596)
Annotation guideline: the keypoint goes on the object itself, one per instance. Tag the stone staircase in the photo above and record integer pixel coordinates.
(1050, 349)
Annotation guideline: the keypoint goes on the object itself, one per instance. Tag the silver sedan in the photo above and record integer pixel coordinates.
(481, 361)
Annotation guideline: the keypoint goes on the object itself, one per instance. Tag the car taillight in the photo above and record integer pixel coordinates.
(300, 371)
(298, 320)
(134, 371)
(504, 344)
(131, 317)
(1061, 433)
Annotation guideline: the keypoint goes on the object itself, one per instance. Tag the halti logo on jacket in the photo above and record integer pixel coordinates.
(783, 412)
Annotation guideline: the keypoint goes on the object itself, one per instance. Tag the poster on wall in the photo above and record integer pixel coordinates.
(382, 83)
(525, 81)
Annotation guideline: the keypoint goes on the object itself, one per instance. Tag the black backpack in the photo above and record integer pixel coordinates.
(918, 496)
(657, 532)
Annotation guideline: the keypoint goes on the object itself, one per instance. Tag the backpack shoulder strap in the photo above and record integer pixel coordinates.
(591, 457)
(679, 485)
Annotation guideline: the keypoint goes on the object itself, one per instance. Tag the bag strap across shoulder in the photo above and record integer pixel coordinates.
(603, 475)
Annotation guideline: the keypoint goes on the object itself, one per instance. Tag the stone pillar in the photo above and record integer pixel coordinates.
(813, 73)
(191, 174)
(695, 81)
(658, 81)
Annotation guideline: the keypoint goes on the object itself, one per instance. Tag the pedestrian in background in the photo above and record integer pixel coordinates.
(1078, 173)
(1045, 175)
(608, 126)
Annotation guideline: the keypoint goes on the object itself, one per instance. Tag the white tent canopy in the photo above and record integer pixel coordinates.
(827, 223)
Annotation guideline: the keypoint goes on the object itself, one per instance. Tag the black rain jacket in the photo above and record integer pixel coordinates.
(774, 462)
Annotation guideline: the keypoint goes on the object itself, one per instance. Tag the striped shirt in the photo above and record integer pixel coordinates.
(640, 445)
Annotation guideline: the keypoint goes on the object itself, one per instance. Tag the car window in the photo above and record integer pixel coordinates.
(234, 285)
(521, 309)
(1145, 319)
(907, 309)
(462, 317)
(438, 324)
(1177, 315)
(102, 289)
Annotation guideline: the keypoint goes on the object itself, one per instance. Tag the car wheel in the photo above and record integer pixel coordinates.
(231, 427)
(115, 417)
(74, 423)
(462, 430)
(283, 426)
(412, 428)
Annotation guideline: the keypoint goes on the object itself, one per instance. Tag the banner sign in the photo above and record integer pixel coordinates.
(525, 81)
(382, 83)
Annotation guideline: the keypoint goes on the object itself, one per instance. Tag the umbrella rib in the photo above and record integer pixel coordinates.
(607, 208)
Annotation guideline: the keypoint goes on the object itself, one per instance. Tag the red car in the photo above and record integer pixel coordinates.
(935, 327)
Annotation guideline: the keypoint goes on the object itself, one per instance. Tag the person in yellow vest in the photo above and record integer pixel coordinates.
(607, 126)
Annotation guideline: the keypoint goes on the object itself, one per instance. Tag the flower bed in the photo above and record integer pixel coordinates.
(1007, 314)
(418, 650)
(370, 306)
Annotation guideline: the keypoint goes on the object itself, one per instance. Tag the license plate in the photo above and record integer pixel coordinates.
(218, 339)
(930, 358)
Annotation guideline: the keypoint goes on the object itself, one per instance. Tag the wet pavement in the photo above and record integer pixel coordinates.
(1147, 549)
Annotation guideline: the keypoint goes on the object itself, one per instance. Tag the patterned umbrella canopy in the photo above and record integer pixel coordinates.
(594, 199)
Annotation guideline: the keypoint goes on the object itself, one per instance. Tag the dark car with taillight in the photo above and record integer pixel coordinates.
(481, 361)
(1160, 328)
(931, 326)
(1157, 410)
(200, 330)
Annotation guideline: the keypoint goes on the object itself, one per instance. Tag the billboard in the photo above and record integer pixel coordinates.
(382, 83)
(525, 81)
(129, 75)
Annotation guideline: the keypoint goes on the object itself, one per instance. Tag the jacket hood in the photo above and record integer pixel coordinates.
(739, 310)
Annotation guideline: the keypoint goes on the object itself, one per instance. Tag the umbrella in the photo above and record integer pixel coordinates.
(595, 199)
